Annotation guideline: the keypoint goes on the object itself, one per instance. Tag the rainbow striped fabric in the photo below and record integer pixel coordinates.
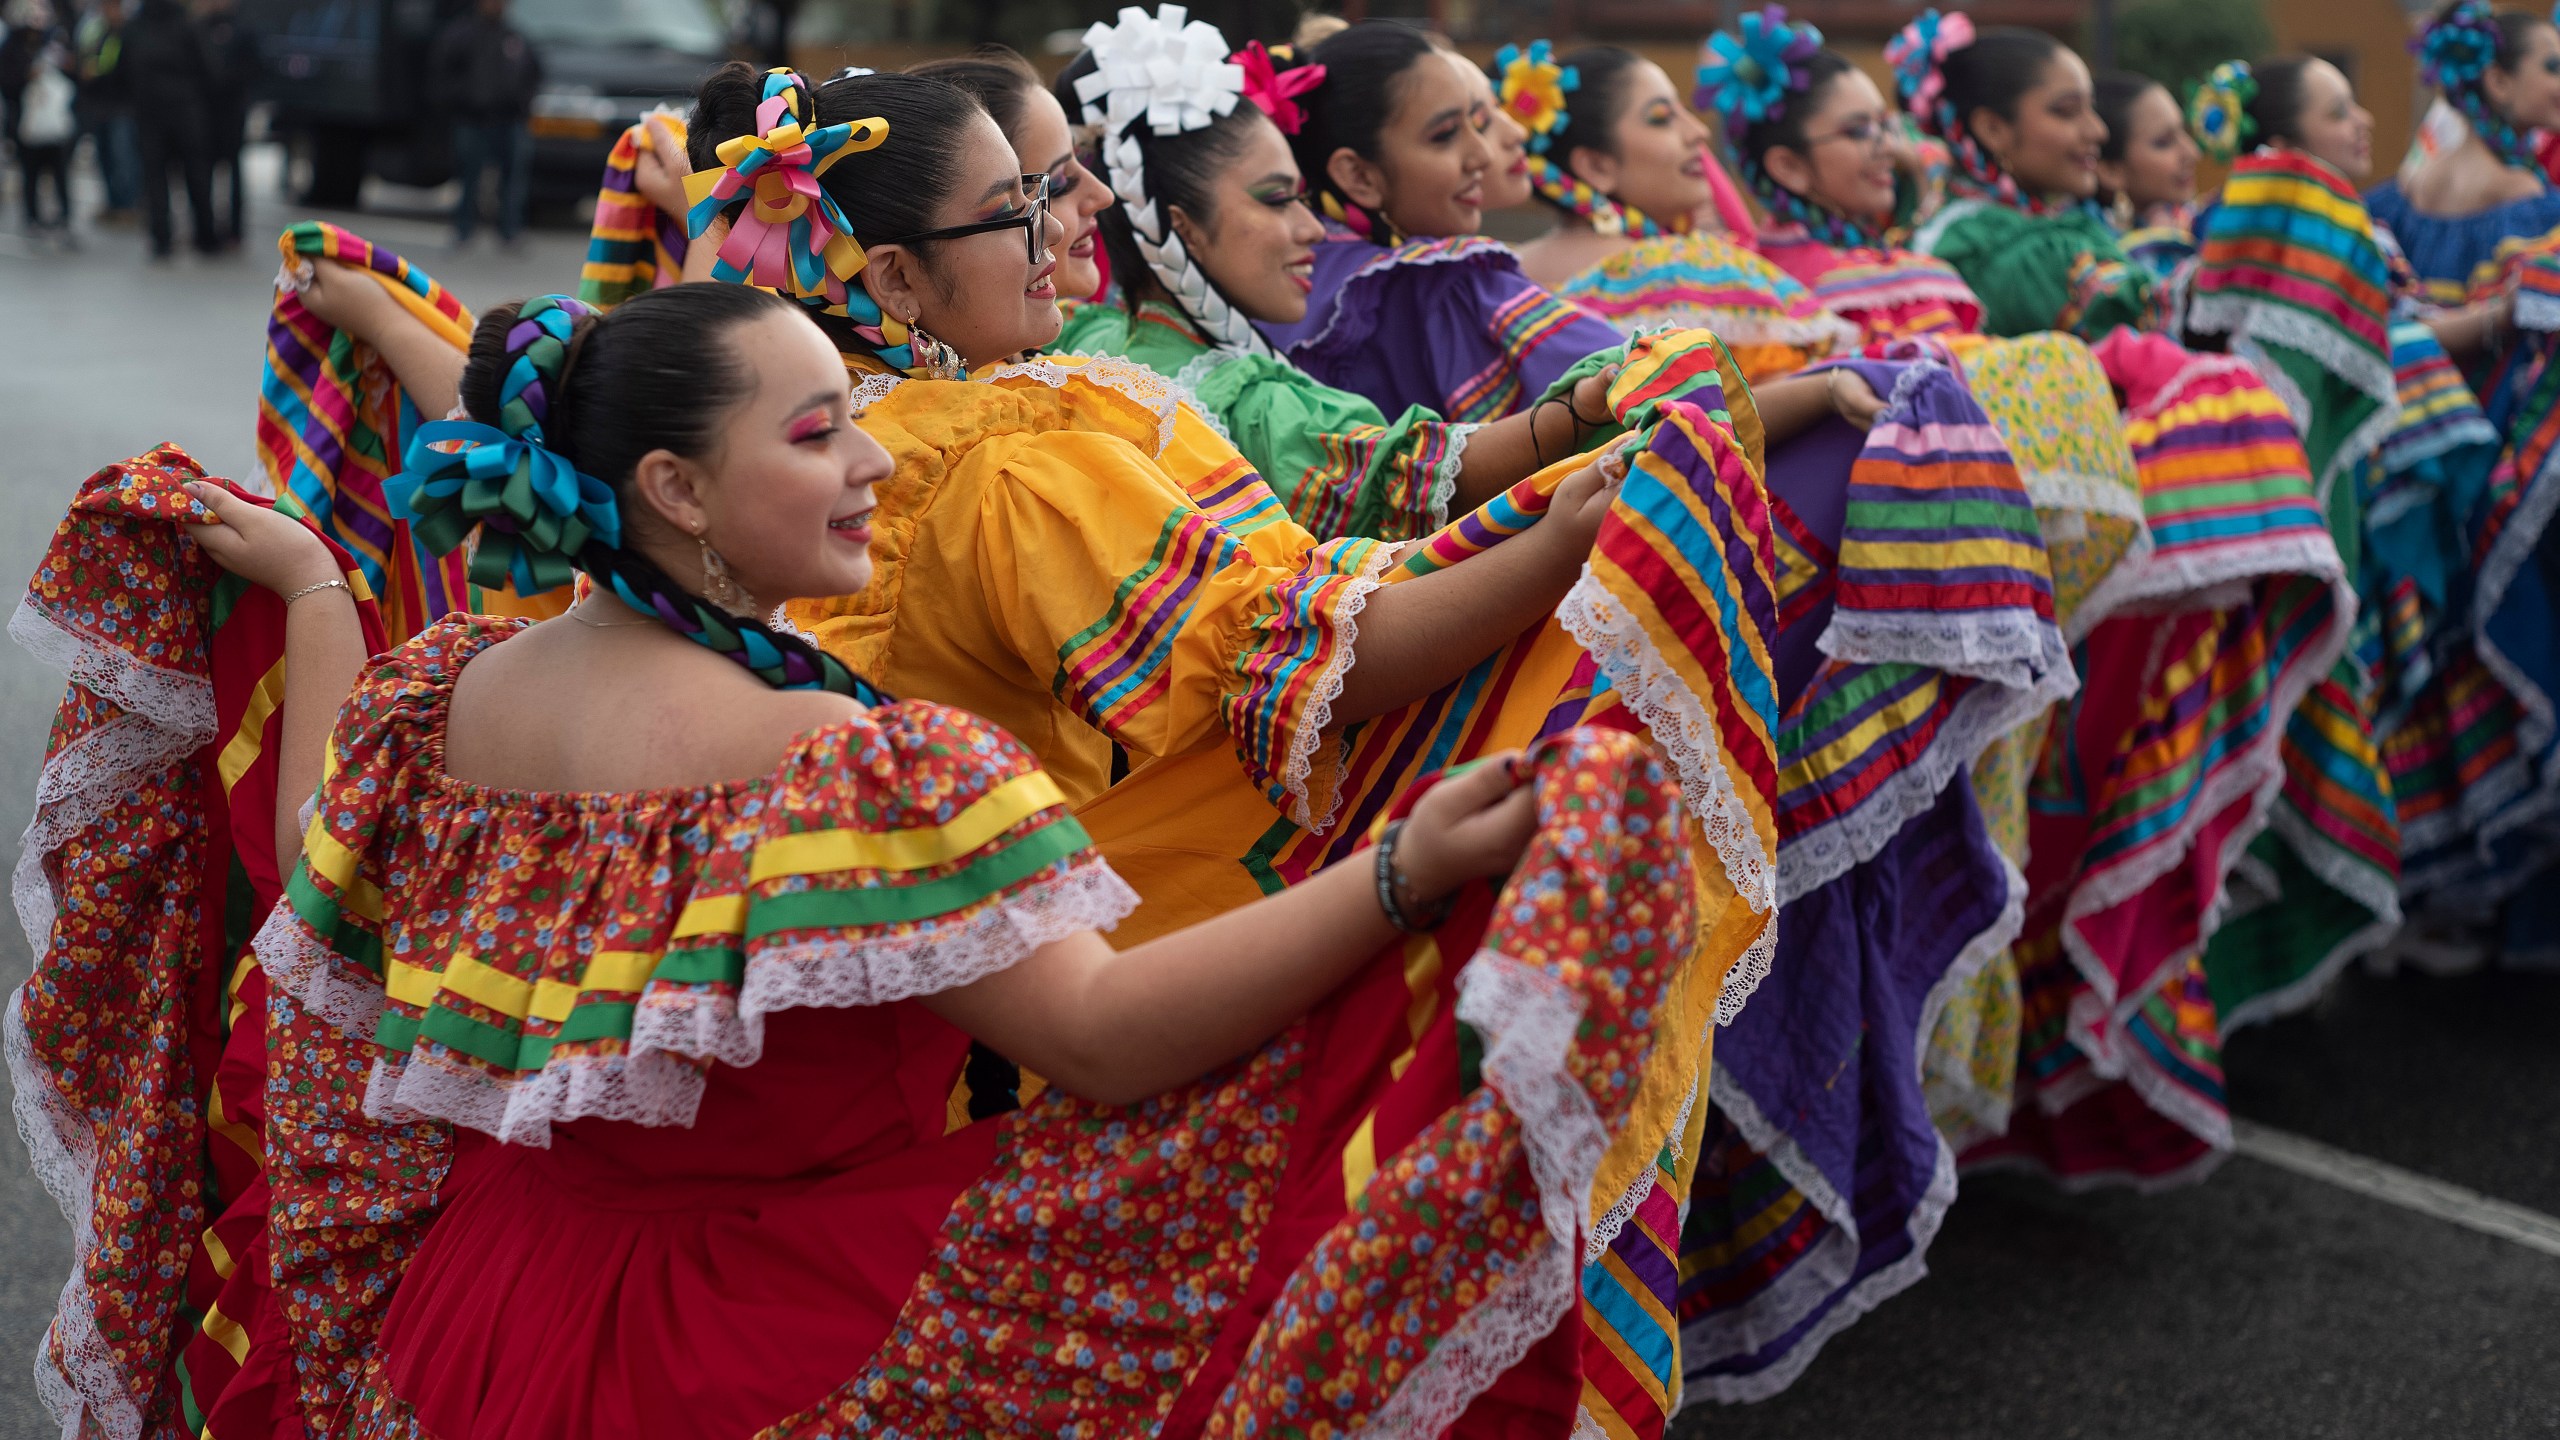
(1699, 280)
(632, 245)
(2162, 769)
(2290, 269)
(1823, 1180)
(333, 423)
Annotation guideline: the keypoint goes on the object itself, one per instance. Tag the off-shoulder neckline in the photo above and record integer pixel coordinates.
(489, 631)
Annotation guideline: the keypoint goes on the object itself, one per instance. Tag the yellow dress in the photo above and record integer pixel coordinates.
(1093, 565)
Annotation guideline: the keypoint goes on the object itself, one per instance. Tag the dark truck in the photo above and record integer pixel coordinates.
(348, 83)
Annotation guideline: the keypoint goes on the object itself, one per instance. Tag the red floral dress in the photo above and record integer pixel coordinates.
(615, 1114)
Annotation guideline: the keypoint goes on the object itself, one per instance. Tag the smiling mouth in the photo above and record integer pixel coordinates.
(858, 520)
(1082, 248)
(1040, 286)
(1301, 273)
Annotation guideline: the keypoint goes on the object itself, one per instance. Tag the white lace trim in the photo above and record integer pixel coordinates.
(2536, 311)
(1299, 764)
(2343, 875)
(1746, 1329)
(1444, 476)
(170, 717)
(1678, 722)
(1146, 387)
(1811, 860)
(2253, 325)
(1606, 1225)
(1925, 239)
(2090, 494)
(1195, 373)
(658, 1080)
(873, 388)
(1527, 1019)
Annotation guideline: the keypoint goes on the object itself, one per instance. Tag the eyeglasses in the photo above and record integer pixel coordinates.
(1033, 218)
(1869, 131)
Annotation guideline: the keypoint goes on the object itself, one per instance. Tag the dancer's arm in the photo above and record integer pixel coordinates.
(2474, 328)
(1510, 450)
(323, 643)
(428, 367)
(1796, 403)
(1420, 634)
(1117, 1027)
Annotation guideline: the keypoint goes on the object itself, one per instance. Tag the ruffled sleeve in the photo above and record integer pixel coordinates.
(1336, 463)
(519, 961)
(1157, 623)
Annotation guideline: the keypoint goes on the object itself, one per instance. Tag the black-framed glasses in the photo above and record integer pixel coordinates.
(1866, 130)
(1033, 219)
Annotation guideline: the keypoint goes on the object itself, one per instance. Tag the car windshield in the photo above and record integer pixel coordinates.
(683, 25)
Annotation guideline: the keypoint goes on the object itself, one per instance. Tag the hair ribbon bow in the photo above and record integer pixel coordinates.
(792, 237)
(1274, 91)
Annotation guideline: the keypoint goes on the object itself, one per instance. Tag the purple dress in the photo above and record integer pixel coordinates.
(1450, 325)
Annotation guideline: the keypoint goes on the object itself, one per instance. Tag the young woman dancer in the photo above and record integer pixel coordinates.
(2456, 209)
(1814, 141)
(777, 869)
(2017, 113)
(1623, 164)
(2147, 171)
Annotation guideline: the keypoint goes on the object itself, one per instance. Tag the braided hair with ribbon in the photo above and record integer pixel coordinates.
(1761, 83)
(2455, 54)
(1542, 93)
(1157, 77)
(512, 472)
(778, 179)
(1943, 69)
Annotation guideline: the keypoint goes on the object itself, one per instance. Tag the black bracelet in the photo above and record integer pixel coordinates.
(1387, 901)
(1569, 409)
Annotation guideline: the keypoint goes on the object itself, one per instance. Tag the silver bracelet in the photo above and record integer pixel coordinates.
(323, 585)
(1387, 877)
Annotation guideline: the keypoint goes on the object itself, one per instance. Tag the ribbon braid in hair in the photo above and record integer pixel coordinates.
(791, 237)
(539, 517)
(1918, 54)
(1533, 88)
(1171, 74)
(1750, 79)
(2454, 55)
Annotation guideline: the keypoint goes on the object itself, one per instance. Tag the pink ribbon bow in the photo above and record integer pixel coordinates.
(1274, 91)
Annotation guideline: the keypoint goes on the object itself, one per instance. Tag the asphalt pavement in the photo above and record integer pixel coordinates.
(2258, 1303)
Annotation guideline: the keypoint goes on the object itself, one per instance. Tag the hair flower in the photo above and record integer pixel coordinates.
(1746, 77)
(535, 511)
(1918, 50)
(1168, 69)
(792, 237)
(2218, 113)
(1533, 90)
(1274, 91)
(2457, 49)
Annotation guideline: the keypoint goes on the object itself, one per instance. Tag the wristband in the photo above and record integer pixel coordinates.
(1387, 901)
(315, 589)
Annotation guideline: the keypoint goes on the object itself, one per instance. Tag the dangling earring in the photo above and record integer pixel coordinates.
(937, 360)
(719, 587)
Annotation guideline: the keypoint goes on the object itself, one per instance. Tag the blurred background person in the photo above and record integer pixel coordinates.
(167, 81)
(40, 100)
(231, 69)
(484, 76)
(106, 107)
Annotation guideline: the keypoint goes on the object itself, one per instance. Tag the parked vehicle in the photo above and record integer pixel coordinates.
(347, 80)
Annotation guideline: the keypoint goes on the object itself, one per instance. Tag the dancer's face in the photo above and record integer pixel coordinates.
(2529, 93)
(1846, 162)
(1506, 182)
(1660, 160)
(1256, 242)
(1043, 144)
(1428, 177)
(2159, 164)
(2050, 146)
(786, 498)
(983, 295)
(2332, 126)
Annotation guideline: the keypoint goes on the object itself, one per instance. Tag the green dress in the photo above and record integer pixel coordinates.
(2059, 271)
(1331, 456)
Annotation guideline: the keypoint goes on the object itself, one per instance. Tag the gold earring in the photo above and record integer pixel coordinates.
(721, 588)
(937, 360)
